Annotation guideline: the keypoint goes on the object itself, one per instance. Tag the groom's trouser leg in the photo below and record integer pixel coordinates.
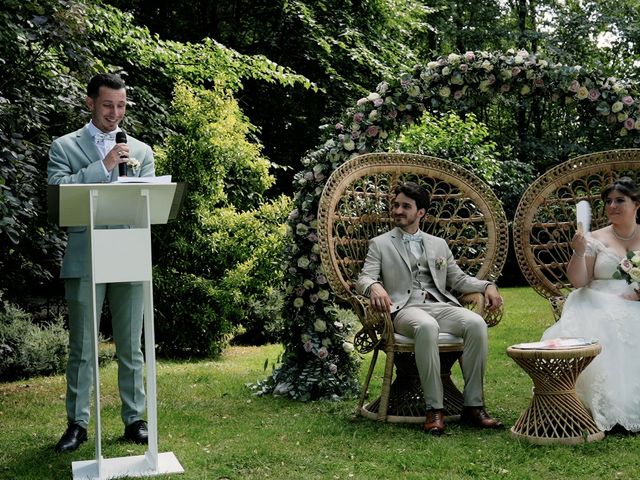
(126, 303)
(416, 323)
(472, 328)
(80, 363)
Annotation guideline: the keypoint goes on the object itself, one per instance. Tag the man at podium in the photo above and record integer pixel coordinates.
(91, 155)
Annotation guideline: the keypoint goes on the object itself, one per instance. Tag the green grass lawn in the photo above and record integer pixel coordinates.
(218, 430)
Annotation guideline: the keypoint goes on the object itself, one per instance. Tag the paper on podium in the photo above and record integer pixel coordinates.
(583, 216)
(161, 179)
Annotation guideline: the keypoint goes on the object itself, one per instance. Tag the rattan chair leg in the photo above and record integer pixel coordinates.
(386, 387)
(365, 387)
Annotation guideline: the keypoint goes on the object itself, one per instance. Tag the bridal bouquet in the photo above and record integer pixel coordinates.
(629, 269)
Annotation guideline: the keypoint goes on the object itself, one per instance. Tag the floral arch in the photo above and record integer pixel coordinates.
(319, 361)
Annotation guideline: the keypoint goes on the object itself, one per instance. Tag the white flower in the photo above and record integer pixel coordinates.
(347, 347)
(634, 274)
(134, 163)
(320, 325)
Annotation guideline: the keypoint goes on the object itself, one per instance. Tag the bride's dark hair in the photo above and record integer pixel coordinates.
(627, 187)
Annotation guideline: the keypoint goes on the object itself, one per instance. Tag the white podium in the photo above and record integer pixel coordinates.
(137, 206)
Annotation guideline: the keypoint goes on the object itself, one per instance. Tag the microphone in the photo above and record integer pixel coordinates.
(121, 137)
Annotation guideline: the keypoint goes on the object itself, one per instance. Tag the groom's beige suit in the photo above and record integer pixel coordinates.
(74, 158)
(422, 306)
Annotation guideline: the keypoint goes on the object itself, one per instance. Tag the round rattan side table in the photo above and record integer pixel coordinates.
(555, 414)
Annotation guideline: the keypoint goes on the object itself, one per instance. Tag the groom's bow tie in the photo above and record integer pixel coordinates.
(407, 237)
(103, 137)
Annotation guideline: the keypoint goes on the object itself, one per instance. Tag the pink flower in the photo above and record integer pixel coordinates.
(323, 352)
(313, 298)
(470, 56)
(594, 94)
(307, 346)
(629, 123)
(392, 114)
(358, 117)
(378, 101)
(464, 67)
(505, 87)
(515, 71)
(333, 368)
(372, 131)
(458, 94)
(321, 279)
(339, 126)
(627, 100)
(538, 82)
(574, 86)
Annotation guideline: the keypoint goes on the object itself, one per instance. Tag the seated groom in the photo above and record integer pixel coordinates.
(411, 274)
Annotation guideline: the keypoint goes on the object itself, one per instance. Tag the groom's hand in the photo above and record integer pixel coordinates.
(492, 298)
(118, 154)
(379, 298)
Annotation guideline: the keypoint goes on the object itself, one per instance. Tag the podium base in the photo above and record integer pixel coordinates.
(134, 466)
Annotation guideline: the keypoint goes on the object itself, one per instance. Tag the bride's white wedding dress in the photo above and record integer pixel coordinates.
(610, 385)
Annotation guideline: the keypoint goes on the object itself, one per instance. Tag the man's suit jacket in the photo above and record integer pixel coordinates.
(74, 158)
(387, 262)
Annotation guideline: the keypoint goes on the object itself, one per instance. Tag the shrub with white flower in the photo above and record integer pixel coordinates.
(452, 82)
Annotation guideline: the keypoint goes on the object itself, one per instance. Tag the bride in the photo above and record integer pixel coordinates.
(608, 310)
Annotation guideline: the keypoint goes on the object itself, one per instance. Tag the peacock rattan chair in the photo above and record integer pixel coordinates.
(355, 206)
(545, 220)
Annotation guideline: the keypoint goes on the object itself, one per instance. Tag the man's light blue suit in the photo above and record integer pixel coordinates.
(74, 158)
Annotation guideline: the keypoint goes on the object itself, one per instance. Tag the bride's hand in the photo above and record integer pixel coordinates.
(579, 243)
(634, 297)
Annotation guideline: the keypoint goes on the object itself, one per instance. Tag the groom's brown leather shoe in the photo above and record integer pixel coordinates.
(434, 422)
(478, 417)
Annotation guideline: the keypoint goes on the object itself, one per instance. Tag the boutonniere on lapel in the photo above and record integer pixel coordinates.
(440, 263)
(134, 163)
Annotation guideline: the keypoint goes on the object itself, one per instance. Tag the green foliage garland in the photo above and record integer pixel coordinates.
(318, 361)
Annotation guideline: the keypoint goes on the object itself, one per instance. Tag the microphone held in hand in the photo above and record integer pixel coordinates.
(121, 137)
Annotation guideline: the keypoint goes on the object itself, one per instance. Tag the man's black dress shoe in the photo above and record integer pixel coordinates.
(72, 438)
(137, 432)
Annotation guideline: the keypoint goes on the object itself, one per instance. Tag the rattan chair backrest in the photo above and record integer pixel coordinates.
(355, 206)
(545, 220)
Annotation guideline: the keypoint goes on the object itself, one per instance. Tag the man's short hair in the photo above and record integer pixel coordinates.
(109, 80)
(414, 192)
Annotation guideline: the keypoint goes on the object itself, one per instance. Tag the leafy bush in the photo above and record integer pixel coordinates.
(219, 265)
(27, 349)
(468, 142)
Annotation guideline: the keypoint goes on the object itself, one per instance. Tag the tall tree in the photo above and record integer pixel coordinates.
(344, 46)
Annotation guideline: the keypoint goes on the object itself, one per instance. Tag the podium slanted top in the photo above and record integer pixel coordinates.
(68, 204)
